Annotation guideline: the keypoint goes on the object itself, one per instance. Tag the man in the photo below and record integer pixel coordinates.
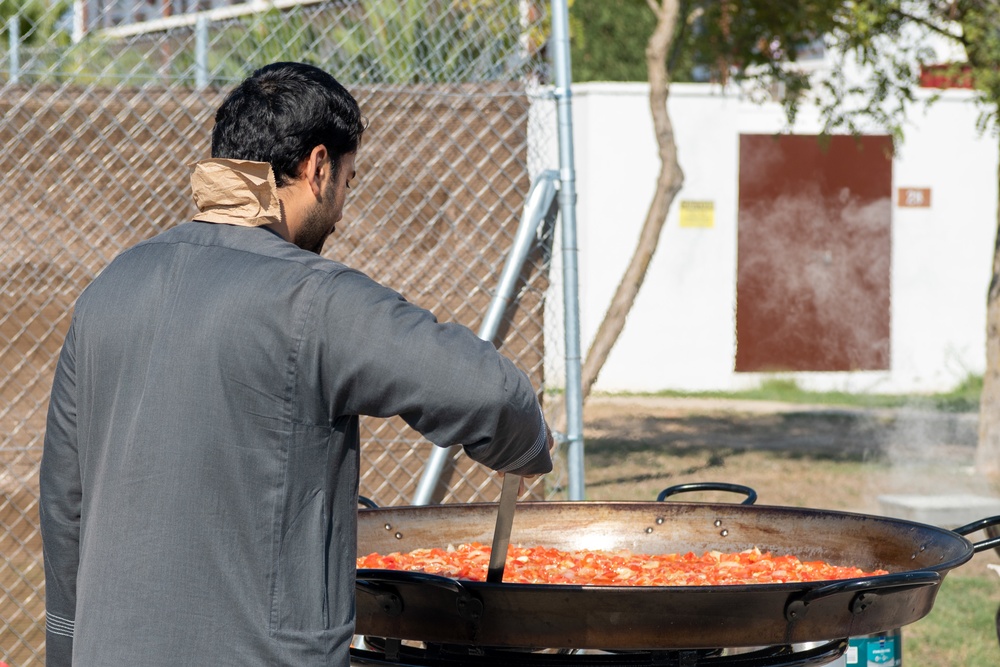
(200, 470)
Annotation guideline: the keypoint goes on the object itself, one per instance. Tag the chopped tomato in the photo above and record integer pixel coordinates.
(545, 565)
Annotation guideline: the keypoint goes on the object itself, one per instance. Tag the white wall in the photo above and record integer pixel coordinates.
(681, 333)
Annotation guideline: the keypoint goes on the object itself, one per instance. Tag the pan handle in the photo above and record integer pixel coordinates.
(867, 591)
(367, 502)
(378, 582)
(980, 525)
(387, 597)
(751, 495)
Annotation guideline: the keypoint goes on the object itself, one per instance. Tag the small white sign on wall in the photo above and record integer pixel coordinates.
(914, 198)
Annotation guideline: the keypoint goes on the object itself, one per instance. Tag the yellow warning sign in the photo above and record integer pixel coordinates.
(698, 214)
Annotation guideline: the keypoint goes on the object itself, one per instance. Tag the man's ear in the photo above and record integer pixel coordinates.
(315, 168)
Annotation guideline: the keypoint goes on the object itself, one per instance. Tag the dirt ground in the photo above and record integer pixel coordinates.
(790, 454)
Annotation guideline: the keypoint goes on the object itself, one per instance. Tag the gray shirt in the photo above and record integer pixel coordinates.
(200, 470)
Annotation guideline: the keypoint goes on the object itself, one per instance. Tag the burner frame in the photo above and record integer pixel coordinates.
(383, 652)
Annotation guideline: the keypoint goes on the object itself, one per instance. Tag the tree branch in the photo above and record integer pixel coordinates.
(933, 27)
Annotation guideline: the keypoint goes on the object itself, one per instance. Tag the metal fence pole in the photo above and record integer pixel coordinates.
(536, 208)
(14, 33)
(567, 209)
(79, 21)
(201, 52)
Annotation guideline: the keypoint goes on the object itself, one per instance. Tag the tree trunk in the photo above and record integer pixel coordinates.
(988, 448)
(668, 184)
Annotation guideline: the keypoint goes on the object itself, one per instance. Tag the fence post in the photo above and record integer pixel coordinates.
(14, 33)
(201, 52)
(79, 20)
(570, 250)
(536, 209)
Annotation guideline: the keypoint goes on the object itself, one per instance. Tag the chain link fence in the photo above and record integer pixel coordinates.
(105, 105)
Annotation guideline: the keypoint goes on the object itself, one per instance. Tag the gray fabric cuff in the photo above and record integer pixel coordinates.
(58, 641)
(538, 454)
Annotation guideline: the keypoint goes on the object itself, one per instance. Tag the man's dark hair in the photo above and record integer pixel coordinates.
(283, 111)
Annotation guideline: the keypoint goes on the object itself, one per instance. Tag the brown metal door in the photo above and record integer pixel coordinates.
(813, 266)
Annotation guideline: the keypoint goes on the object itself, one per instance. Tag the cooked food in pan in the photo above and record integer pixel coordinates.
(543, 565)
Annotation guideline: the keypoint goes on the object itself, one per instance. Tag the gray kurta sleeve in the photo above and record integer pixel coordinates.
(59, 510)
(393, 358)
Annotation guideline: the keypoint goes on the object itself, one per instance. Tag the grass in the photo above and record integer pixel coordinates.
(962, 398)
(960, 630)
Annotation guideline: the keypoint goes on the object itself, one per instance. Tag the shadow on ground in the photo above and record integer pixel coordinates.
(833, 434)
(899, 436)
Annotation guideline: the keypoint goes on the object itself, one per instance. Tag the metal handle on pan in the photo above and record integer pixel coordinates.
(751, 495)
(386, 597)
(980, 525)
(383, 582)
(367, 502)
(867, 591)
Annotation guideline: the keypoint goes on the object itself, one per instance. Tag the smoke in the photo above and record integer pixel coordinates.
(929, 469)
